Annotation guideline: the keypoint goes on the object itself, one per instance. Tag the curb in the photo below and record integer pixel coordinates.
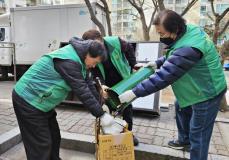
(86, 143)
(9, 139)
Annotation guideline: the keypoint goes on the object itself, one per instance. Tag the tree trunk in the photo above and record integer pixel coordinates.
(94, 18)
(108, 19)
(108, 23)
(216, 32)
(144, 26)
(161, 5)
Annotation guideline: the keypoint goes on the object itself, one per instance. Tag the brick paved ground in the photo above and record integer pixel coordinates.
(156, 131)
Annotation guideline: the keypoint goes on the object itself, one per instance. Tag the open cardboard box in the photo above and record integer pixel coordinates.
(114, 147)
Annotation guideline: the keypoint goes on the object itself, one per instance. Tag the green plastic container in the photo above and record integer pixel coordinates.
(126, 84)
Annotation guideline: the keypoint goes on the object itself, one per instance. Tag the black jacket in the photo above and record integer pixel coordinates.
(111, 73)
(71, 73)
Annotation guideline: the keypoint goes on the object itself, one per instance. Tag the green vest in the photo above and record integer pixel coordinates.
(206, 79)
(41, 86)
(117, 58)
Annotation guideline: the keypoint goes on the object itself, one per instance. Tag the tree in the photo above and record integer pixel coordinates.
(218, 28)
(158, 5)
(139, 7)
(105, 8)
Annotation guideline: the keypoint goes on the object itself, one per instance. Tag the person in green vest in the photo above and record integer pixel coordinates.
(192, 67)
(46, 84)
(119, 65)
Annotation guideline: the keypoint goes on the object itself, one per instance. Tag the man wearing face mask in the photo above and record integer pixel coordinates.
(192, 67)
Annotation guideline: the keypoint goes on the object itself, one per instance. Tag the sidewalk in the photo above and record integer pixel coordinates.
(152, 131)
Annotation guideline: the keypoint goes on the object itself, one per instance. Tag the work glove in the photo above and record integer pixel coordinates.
(127, 96)
(139, 65)
(106, 120)
(151, 64)
(105, 88)
(106, 108)
(116, 128)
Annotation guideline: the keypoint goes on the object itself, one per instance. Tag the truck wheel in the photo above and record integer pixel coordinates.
(20, 71)
(4, 72)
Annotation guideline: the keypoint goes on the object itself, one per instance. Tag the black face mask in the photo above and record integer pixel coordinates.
(167, 41)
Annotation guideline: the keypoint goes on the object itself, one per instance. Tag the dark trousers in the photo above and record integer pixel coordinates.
(128, 116)
(39, 130)
(195, 124)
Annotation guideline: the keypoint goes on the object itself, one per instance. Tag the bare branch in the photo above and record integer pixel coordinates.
(108, 19)
(152, 18)
(135, 15)
(213, 9)
(161, 5)
(188, 7)
(155, 4)
(210, 17)
(134, 4)
(141, 4)
(224, 28)
(94, 18)
(224, 13)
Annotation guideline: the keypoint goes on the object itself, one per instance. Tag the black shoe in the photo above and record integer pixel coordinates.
(136, 142)
(187, 148)
(175, 144)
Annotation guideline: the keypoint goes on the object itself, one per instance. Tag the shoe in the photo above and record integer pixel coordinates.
(175, 144)
(136, 141)
(187, 148)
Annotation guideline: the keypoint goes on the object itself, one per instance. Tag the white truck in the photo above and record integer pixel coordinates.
(39, 30)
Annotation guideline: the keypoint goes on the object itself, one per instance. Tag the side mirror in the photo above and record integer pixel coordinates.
(2, 34)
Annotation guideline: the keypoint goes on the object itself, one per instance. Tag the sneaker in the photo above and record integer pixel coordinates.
(136, 141)
(175, 144)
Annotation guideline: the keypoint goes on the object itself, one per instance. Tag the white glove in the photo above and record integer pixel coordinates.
(115, 128)
(106, 120)
(127, 96)
(106, 108)
(139, 65)
(151, 64)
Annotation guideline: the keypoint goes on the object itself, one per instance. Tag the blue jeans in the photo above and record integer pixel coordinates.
(195, 124)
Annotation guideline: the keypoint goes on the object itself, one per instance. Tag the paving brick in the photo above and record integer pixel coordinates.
(144, 140)
(223, 152)
(221, 147)
(157, 140)
(218, 140)
(142, 129)
(212, 149)
(156, 131)
(150, 130)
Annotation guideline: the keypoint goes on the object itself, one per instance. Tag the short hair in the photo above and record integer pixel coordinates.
(92, 34)
(171, 21)
(97, 49)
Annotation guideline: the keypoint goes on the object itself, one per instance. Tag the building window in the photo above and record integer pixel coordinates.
(179, 9)
(125, 24)
(203, 9)
(170, 1)
(178, 1)
(203, 22)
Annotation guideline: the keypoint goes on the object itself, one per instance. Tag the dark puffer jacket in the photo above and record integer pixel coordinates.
(71, 73)
(169, 70)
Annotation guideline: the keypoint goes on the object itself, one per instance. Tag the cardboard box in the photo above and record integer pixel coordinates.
(116, 147)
